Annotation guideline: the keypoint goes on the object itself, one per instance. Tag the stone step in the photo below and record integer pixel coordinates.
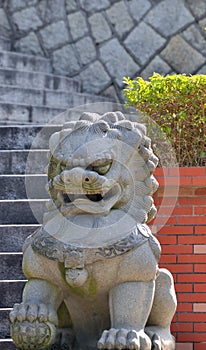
(25, 113)
(12, 237)
(15, 94)
(37, 80)
(15, 162)
(16, 137)
(5, 325)
(21, 136)
(7, 344)
(50, 98)
(20, 212)
(14, 187)
(11, 267)
(10, 293)
(5, 44)
(21, 61)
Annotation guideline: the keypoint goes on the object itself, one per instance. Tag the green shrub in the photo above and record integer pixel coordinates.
(177, 103)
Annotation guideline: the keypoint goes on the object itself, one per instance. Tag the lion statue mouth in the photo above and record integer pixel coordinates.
(98, 201)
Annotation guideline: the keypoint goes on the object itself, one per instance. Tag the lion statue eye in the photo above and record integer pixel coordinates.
(102, 169)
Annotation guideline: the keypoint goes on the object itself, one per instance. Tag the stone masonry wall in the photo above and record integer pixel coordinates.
(101, 41)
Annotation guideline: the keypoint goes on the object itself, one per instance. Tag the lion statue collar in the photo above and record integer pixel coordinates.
(77, 256)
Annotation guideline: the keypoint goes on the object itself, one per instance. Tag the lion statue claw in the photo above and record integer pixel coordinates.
(92, 268)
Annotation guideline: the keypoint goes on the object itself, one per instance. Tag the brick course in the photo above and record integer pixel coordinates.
(180, 227)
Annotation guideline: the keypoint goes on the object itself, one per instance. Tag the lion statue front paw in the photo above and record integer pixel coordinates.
(124, 339)
(32, 326)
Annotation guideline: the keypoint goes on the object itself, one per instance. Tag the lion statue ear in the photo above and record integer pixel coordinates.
(91, 117)
(113, 117)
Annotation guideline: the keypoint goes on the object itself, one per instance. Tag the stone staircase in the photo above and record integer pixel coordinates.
(30, 96)
(16, 217)
(30, 93)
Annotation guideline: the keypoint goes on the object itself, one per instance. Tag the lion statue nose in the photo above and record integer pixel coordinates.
(79, 177)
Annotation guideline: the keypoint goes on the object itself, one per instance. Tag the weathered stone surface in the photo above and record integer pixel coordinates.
(78, 25)
(65, 61)
(86, 50)
(11, 267)
(59, 99)
(143, 42)
(5, 28)
(25, 113)
(120, 19)
(22, 137)
(202, 70)
(198, 7)
(15, 162)
(177, 52)
(202, 26)
(7, 344)
(5, 325)
(16, 5)
(20, 95)
(13, 237)
(54, 35)
(157, 65)
(21, 187)
(52, 11)
(169, 16)
(9, 292)
(194, 37)
(111, 92)
(138, 8)
(117, 61)
(37, 80)
(29, 44)
(71, 5)
(11, 212)
(5, 44)
(92, 6)
(94, 78)
(45, 114)
(100, 28)
(11, 112)
(24, 62)
(27, 19)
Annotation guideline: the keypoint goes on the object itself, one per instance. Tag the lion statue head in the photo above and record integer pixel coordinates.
(101, 165)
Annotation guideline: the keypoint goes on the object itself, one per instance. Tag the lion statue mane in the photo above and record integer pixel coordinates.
(92, 267)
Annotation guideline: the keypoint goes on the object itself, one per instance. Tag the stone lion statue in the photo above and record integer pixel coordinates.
(92, 268)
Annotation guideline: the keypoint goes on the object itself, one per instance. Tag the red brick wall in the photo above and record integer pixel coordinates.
(180, 227)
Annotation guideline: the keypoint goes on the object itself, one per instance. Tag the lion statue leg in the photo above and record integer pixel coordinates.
(141, 314)
(34, 321)
(41, 320)
(162, 312)
(130, 306)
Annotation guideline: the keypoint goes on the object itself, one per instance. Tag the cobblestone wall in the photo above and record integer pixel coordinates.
(101, 41)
